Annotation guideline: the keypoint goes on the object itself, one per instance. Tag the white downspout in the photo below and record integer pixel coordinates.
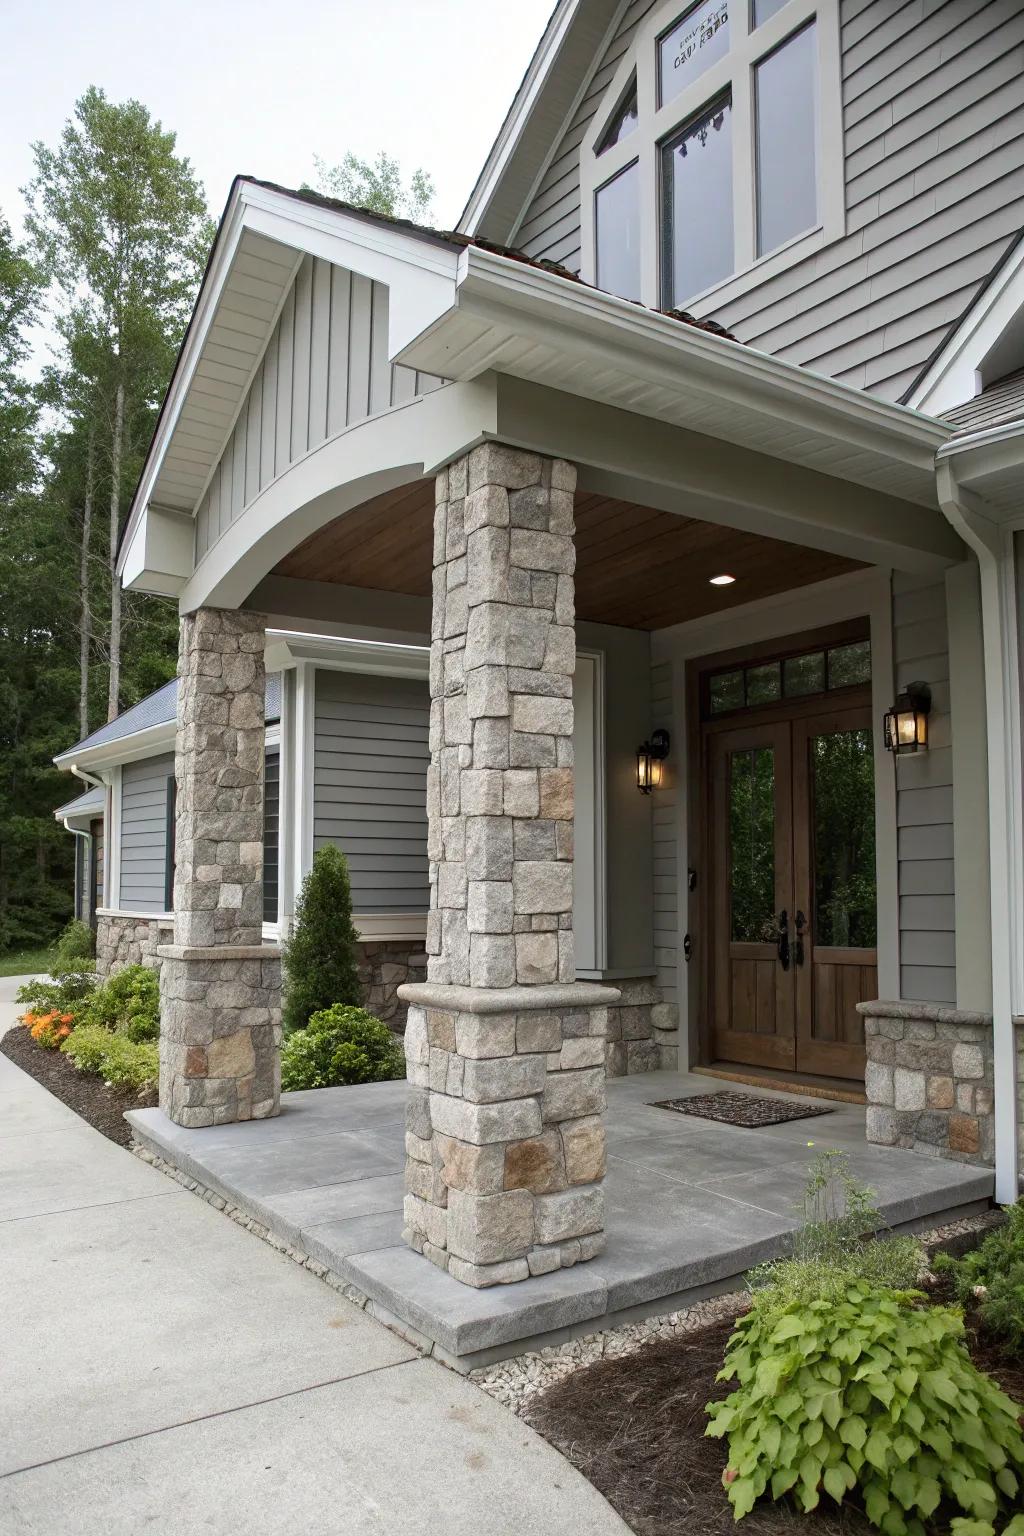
(984, 538)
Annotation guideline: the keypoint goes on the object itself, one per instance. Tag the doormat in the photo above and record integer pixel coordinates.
(741, 1109)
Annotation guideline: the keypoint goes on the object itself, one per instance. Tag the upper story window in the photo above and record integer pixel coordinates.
(705, 172)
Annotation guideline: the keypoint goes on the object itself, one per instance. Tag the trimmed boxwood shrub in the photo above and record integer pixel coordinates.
(320, 958)
(340, 1045)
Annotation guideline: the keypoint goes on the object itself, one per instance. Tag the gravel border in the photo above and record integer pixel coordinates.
(515, 1381)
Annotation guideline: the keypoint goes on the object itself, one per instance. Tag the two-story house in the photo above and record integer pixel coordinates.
(637, 570)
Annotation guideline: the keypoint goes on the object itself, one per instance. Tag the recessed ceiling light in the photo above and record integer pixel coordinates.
(722, 581)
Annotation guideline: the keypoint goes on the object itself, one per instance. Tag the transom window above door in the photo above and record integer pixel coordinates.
(780, 678)
(715, 156)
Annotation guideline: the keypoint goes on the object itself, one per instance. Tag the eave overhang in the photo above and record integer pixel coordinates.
(521, 320)
(988, 464)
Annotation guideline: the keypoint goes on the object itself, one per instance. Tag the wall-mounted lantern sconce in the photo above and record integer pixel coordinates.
(650, 756)
(906, 724)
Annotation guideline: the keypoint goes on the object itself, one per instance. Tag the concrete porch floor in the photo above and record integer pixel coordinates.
(691, 1205)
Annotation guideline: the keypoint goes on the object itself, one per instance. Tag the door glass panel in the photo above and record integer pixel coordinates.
(752, 846)
(843, 798)
(804, 674)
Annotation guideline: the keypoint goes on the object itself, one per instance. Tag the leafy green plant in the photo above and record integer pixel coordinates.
(837, 1243)
(128, 1002)
(76, 943)
(986, 1528)
(118, 1060)
(320, 958)
(66, 992)
(990, 1279)
(875, 1393)
(340, 1045)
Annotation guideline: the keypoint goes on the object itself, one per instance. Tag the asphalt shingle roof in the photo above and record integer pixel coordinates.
(160, 707)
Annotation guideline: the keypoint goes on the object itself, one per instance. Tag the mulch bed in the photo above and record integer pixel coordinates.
(102, 1107)
(741, 1109)
(634, 1426)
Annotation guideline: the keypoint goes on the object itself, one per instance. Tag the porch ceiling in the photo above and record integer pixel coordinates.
(637, 567)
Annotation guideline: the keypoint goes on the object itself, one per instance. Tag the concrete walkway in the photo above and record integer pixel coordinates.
(161, 1369)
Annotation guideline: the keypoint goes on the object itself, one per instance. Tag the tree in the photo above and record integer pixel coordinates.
(320, 959)
(377, 187)
(120, 223)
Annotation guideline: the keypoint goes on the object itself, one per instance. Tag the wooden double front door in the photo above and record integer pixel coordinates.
(791, 898)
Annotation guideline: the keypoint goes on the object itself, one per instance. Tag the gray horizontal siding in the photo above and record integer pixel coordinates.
(325, 367)
(933, 113)
(144, 833)
(924, 799)
(370, 786)
(667, 890)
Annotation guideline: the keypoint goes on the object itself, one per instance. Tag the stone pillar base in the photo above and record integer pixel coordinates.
(505, 1142)
(220, 1033)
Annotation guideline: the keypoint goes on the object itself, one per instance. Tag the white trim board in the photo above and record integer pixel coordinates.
(955, 375)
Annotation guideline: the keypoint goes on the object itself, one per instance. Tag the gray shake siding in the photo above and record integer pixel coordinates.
(325, 368)
(144, 833)
(933, 116)
(370, 785)
(924, 804)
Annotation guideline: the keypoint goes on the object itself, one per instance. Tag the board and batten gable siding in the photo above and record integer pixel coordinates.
(933, 121)
(370, 763)
(665, 813)
(325, 368)
(144, 834)
(924, 801)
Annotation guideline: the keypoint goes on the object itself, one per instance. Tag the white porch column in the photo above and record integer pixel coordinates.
(505, 1050)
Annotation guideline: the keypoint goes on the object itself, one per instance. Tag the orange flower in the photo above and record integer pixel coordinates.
(67, 1018)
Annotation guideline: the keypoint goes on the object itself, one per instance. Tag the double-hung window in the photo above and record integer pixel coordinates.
(707, 157)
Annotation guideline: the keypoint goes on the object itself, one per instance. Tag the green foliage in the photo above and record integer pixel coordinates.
(873, 1393)
(128, 1002)
(114, 1057)
(320, 958)
(340, 1045)
(378, 186)
(986, 1528)
(65, 993)
(990, 1279)
(77, 942)
(836, 1244)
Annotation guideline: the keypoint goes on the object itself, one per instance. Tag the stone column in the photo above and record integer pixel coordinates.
(505, 1050)
(220, 986)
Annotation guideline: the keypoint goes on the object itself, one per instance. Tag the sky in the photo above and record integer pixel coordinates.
(260, 86)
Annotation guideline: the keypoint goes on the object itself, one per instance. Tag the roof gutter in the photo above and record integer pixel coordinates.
(985, 538)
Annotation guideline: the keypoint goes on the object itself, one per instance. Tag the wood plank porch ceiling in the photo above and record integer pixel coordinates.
(635, 567)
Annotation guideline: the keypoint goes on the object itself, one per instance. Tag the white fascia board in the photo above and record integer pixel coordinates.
(952, 379)
(149, 742)
(974, 457)
(419, 271)
(512, 128)
(512, 299)
(286, 648)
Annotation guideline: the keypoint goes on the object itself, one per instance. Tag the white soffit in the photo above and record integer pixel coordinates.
(532, 324)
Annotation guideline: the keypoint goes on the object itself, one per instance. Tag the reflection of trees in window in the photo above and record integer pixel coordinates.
(752, 846)
(843, 790)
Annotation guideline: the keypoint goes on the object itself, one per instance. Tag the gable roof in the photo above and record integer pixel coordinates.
(1000, 403)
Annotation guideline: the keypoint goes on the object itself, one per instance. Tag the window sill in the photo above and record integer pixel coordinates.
(704, 304)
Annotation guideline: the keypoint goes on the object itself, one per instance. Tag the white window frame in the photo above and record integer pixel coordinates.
(659, 124)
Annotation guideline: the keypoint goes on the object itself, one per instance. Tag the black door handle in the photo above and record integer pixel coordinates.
(687, 948)
(784, 939)
(801, 923)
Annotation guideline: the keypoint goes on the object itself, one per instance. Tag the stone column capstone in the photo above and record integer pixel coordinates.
(505, 1147)
(220, 986)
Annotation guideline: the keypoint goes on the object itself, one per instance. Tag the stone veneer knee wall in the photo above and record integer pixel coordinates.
(385, 966)
(929, 1080)
(122, 941)
(643, 1032)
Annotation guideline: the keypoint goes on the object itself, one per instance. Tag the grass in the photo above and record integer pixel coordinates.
(25, 962)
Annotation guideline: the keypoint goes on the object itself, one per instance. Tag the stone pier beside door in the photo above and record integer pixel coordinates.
(220, 986)
(505, 1147)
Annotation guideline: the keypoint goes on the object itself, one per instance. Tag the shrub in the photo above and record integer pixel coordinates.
(48, 1029)
(128, 1002)
(991, 1279)
(837, 1244)
(76, 943)
(872, 1392)
(320, 967)
(986, 1528)
(118, 1060)
(340, 1045)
